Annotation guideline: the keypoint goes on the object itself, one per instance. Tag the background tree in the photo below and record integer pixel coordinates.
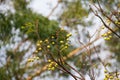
(46, 37)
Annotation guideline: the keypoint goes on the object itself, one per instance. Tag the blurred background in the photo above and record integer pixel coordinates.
(24, 22)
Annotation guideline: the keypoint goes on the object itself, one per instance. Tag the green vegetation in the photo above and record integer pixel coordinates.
(49, 49)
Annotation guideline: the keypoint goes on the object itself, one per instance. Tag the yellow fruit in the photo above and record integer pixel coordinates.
(46, 40)
(38, 44)
(39, 48)
(103, 27)
(53, 42)
(49, 60)
(109, 32)
(48, 46)
(36, 51)
(53, 68)
(105, 71)
(52, 37)
(61, 41)
(40, 41)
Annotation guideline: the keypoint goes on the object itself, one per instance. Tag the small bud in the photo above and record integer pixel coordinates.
(109, 32)
(34, 58)
(105, 35)
(37, 58)
(38, 44)
(106, 75)
(110, 36)
(66, 44)
(52, 37)
(62, 29)
(56, 64)
(111, 77)
(46, 40)
(103, 27)
(48, 46)
(66, 47)
(30, 60)
(53, 68)
(40, 41)
(36, 51)
(49, 68)
(68, 35)
(61, 42)
(105, 71)
(49, 60)
(39, 49)
(62, 45)
(107, 38)
(105, 78)
(53, 42)
(50, 65)
(22, 27)
(67, 39)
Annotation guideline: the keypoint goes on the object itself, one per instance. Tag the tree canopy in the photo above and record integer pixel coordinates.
(32, 45)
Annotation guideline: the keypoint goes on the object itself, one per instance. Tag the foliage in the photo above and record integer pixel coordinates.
(74, 14)
(52, 45)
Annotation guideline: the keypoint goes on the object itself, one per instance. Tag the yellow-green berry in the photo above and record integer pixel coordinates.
(49, 60)
(53, 68)
(109, 32)
(62, 29)
(30, 60)
(52, 37)
(36, 51)
(105, 78)
(104, 34)
(22, 27)
(34, 58)
(110, 36)
(49, 68)
(61, 41)
(68, 35)
(37, 58)
(46, 40)
(40, 41)
(67, 44)
(56, 64)
(67, 39)
(107, 75)
(66, 47)
(53, 42)
(111, 77)
(107, 38)
(103, 27)
(40, 48)
(48, 46)
(38, 44)
(105, 71)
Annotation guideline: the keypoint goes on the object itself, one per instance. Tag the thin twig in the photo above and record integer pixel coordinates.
(19, 45)
(106, 15)
(53, 10)
(36, 28)
(76, 71)
(104, 23)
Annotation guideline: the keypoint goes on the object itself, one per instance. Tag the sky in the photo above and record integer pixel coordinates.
(44, 7)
